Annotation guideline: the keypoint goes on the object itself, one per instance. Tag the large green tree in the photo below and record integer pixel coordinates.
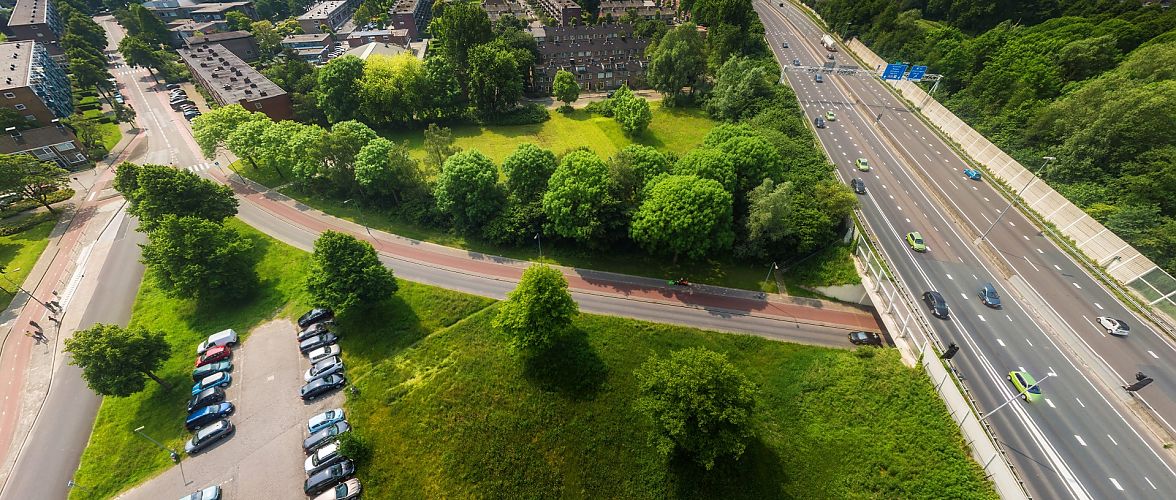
(384, 170)
(156, 191)
(213, 128)
(116, 360)
(346, 274)
(709, 163)
(527, 170)
(342, 147)
(393, 89)
(676, 61)
(468, 190)
(339, 93)
(460, 27)
(742, 88)
(565, 88)
(143, 54)
(578, 202)
(32, 178)
(194, 257)
(495, 77)
(699, 403)
(538, 311)
(632, 168)
(630, 111)
(684, 215)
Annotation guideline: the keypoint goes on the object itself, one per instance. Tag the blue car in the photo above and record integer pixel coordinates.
(209, 369)
(972, 173)
(218, 379)
(207, 415)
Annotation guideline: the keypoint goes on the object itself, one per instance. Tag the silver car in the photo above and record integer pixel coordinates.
(328, 366)
(1114, 326)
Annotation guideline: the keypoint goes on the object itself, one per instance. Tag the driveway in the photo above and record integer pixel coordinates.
(263, 460)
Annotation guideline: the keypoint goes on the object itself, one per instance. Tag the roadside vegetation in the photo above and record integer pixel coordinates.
(20, 250)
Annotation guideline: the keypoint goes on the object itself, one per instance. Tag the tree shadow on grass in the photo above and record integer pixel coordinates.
(759, 473)
(570, 368)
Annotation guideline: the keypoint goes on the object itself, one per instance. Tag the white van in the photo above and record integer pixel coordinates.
(224, 337)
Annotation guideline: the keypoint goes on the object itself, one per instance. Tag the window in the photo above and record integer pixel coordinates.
(10, 95)
(20, 107)
(257, 105)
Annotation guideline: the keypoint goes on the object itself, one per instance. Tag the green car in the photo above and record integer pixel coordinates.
(861, 164)
(829, 116)
(1025, 384)
(915, 241)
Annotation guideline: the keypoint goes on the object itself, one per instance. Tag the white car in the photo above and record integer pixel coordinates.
(210, 493)
(323, 458)
(1114, 326)
(346, 490)
(323, 352)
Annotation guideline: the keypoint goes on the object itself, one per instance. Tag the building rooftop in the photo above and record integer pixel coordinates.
(40, 137)
(405, 6)
(15, 57)
(216, 8)
(227, 75)
(29, 12)
(375, 48)
(218, 37)
(323, 10)
(307, 37)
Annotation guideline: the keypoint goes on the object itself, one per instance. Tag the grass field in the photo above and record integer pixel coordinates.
(19, 253)
(111, 134)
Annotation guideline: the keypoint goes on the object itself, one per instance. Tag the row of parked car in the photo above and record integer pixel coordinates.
(178, 99)
(208, 411)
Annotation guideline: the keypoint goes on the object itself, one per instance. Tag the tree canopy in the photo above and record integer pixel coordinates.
(578, 202)
(346, 275)
(194, 257)
(468, 190)
(155, 191)
(115, 360)
(538, 311)
(684, 215)
(527, 170)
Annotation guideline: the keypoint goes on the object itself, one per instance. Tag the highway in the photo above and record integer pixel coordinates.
(1076, 442)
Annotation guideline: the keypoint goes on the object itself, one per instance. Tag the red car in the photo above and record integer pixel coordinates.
(214, 354)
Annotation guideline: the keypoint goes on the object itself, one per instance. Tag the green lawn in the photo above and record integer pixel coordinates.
(19, 253)
(111, 134)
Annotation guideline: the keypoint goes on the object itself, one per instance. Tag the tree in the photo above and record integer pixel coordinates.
(194, 257)
(393, 89)
(302, 148)
(438, 146)
(159, 190)
(495, 77)
(213, 128)
(142, 54)
(683, 215)
(344, 143)
(676, 61)
(346, 274)
(700, 405)
(32, 178)
(468, 190)
(527, 170)
(338, 88)
(708, 164)
(783, 220)
(565, 88)
(630, 111)
(743, 87)
(538, 311)
(632, 168)
(578, 201)
(445, 99)
(385, 169)
(114, 360)
(460, 27)
(237, 20)
(754, 159)
(269, 42)
(247, 141)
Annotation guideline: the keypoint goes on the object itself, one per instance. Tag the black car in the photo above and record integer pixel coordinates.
(324, 436)
(865, 338)
(205, 398)
(320, 386)
(819, 122)
(858, 185)
(935, 302)
(172, 86)
(317, 341)
(314, 316)
(327, 479)
(988, 296)
(208, 436)
(315, 329)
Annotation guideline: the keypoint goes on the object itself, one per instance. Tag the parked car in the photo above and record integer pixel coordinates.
(316, 329)
(1025, 384)
(972, 173)
(325, 457)
(182, 104)
(224, 337)
(218, 379)
(221, 366)
(314, 316)
(861, 164)
(347, 490)
(177, 97)
(210, 493)
(208, 414)
(328, 478)
(214, 354)
(325, 419)
(865, 338)
(208, 436)
(915, 241)
(989, 296)
(205, 398)
(172, 86)
(329, 366)
(818, 78)
(935, 302)
(317, 341)
(858, 185)
(323, 352)
(1114, 326)
(321, 386)
(322, 437)
(119, 99)
(819, 122)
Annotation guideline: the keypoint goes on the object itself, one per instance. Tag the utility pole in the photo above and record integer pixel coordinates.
(1006, 209)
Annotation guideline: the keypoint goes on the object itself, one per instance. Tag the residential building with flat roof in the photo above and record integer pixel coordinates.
(310, 47)
(498, 8)
(564, 12)
(412, 16)
(358, 38)
(168, 10)
(38, 21)
(602, 57)
(229, 80)
(240, 43)
(643, 9)
(32, 83)
(55, 143)
(332, 14)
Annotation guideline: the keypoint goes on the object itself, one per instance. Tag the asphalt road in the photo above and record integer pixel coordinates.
(1076, 443)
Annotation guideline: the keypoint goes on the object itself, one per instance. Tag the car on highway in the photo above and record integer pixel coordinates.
(972, 173)
(323, 352)
(328, 478)
(314, 316)
(207, 415)
(205, 398)
(862, 164)
(818, 78)
(320, 386)
(317, 341)
(796, 62)
(224, 337)
(325, 457)
(221, 366)
(935, 302)
(1025, 384)
(214, 354)
(347, 490)
(915, 241)
(218, 379)
(819, 122)
(329, 366)
(858, 185)
(988, 296)
(316, 329)
(865, 338)
(210, 493)
(784, 45)
(208, 436)
(325, 419)
(321, 438)
(1114, 326)
(830, 116)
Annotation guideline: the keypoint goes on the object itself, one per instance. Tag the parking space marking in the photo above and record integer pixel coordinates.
(1076, 285)
(1153, 354)
(1080, 402)
(981, 316)
(1096, 304)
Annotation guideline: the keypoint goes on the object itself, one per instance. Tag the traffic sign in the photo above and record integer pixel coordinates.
(917, 73)
(894, 71)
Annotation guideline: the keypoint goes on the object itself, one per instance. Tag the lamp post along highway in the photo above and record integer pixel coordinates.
(1010, 205)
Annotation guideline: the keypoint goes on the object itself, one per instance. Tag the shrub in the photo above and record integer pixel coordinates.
(524, 115)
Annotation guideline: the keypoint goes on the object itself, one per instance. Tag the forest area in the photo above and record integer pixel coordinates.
(1090, 82)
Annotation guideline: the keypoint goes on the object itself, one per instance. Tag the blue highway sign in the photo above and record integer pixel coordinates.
(917, 73)
(894, 71)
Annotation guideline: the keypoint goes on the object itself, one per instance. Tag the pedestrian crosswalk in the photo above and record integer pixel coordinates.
(200, 167)
(128, 70)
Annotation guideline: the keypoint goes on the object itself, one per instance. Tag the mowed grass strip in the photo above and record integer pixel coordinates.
(456, 415)
(18, 254)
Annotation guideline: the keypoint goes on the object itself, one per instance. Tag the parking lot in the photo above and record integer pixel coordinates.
(264, 458)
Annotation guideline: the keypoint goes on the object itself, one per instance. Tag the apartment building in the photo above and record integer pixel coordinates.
(240, 43)
(498, 8)
(55, 143)
(310, 47)
(564, 12)
(32, 83)
(602, 57)
(332, 14)
(169, 10)
(642, 9)
(412, 16)
(229, 80)
(359, 38)
(37, 21)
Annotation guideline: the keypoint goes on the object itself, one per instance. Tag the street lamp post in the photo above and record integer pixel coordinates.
(175, 456)
(3, 272)
(1010, 205)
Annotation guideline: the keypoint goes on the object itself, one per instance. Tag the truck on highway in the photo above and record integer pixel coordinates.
(829, 44)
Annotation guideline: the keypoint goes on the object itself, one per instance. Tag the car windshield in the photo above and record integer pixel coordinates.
(1033, 389)
(918, 240)
(341, 491)
(1122, 326)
